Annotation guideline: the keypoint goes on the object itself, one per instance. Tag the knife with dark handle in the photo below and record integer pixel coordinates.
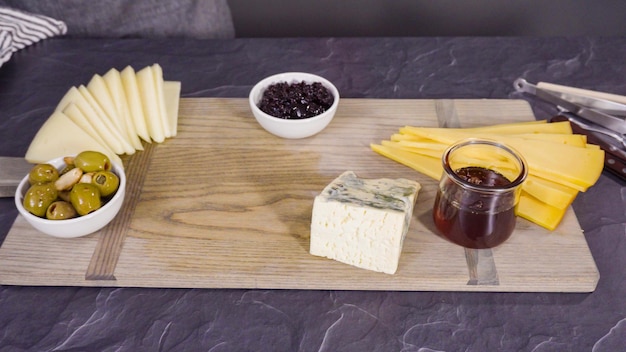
(12, 171)
(614, 151)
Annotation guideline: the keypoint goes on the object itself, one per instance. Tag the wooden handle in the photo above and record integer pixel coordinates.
(580, 91)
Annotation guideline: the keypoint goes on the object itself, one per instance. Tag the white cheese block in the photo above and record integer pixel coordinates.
(113, 82)
(58, 137)
(129, 81)
(363, 222)
(157, 75)
(149, 103)
(111, 125)
(171, 92)
(75, 97)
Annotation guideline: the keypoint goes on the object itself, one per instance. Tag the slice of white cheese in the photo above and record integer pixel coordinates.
(99, 91)
(150, 105)
(74, 96)
(171, 91)
(59, 136)
(129, 81)
(76, 115)
(157, 75)
(363, 222)
(113, 81)
(115, 131)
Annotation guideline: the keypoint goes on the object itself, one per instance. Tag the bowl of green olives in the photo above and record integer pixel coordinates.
(72, 196)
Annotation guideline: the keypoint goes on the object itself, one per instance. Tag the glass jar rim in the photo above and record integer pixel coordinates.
(523, 173)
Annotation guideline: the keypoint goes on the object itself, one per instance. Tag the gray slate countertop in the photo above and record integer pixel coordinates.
(134, 319)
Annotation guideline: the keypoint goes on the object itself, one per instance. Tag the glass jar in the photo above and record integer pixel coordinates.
(478, 192)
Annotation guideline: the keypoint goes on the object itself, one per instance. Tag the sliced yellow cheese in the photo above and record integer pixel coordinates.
(538, 126)
(113, 82)
(410, 147)
(574, 166)
(59, 136)
(157, 75)
(149, 103)
(111, 126)
(577, 140)
(171, 90)
(532, 209)
(75, 97)
(397, 137)
(562, 163)
(436, 146)
(76, 115)
(129, 81)
(427, 165)
(551, 193)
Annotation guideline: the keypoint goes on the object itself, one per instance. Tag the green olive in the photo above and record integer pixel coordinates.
(42, 173)
(92, 161)
(39, 197)
(67, 169)
(106, 181)
(85, 198)
(60, 210)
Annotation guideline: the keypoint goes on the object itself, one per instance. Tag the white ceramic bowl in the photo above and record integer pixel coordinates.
(286, 128)
(79, 226)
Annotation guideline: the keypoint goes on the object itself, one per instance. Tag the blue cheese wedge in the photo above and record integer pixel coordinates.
(363, 222)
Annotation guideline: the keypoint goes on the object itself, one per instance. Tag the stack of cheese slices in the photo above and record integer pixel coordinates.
(114, 114)
(560, 163)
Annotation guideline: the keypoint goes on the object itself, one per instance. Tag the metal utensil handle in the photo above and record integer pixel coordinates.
(603, 105)
(595, 128)
(611, 122)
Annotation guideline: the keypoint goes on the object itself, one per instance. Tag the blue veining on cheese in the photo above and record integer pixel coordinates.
(377, 193)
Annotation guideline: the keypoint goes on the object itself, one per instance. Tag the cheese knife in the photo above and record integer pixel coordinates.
(12, 171)
(598, 117)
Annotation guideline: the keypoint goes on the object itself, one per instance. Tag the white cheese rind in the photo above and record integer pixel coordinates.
(363, 222)
(171, 92)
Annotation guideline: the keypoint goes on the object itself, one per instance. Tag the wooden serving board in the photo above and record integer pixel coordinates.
(227, 205)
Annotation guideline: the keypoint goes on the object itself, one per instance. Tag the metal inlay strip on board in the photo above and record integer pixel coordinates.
(109, 247)
(480, 263)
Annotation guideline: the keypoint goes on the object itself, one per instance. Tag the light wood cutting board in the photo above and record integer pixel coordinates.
(227, 205)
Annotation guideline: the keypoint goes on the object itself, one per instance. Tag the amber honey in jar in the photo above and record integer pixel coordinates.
(478, 192)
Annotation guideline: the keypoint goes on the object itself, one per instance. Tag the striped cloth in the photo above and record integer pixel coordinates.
(20, 29)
